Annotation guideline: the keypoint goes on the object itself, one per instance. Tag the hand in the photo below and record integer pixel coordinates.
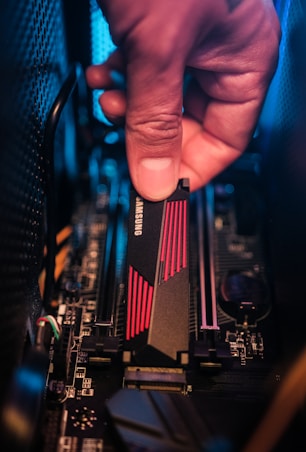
(230, 50)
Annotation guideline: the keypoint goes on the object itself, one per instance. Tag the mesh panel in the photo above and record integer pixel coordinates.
(284, 101)
(32, 65)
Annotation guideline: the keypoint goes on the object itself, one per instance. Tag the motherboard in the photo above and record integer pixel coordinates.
(159, 335)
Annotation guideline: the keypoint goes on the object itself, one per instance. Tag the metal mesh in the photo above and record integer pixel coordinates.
(33, 65)
(285, 100)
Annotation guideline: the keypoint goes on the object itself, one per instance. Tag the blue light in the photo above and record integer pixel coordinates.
(30, 380)
(229, 188)
(70, 144)
(101, 47)
(272, 115)
(112, 137)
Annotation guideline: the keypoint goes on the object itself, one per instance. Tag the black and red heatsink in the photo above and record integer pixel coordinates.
(157, 313)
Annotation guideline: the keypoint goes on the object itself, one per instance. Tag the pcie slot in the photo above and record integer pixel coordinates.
(208, 299)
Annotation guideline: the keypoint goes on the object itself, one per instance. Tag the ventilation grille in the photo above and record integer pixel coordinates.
(33, 66)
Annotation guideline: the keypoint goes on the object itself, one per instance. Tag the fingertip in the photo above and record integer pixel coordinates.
(91, 75)
(156, 178)
(113, 104)
(98, 76)
(155, 196)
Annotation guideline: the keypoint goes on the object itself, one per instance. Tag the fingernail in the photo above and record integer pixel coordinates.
(157, 178)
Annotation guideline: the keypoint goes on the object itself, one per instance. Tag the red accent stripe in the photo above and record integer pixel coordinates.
(134, 303)
(174, 239)
(144, 306)
(179, 239)
(169, 242)
(184, 234)
(140, 302)
(128, 321)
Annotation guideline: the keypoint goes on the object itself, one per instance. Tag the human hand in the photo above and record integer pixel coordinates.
(230, 48)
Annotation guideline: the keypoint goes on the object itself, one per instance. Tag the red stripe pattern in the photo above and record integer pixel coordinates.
(173, 255)
(139, 304)
(173, 259)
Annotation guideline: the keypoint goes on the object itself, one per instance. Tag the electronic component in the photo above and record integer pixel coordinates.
(162, 300)
(157, 313)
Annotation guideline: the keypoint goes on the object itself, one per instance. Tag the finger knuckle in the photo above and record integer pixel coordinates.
(156, 130)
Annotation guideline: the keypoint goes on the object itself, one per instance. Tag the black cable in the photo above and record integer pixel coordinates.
(50, 129)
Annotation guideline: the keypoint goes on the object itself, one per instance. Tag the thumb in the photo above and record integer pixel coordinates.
(153, 126)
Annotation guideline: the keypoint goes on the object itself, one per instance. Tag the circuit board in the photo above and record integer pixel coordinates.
(120, 368)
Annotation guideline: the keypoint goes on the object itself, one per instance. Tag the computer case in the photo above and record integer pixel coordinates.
(59, 169)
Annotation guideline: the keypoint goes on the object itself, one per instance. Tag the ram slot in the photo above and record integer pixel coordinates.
(205, 220)
(106, 271)
(112, 280)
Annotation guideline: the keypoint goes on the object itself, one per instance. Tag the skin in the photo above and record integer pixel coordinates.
(229, 48)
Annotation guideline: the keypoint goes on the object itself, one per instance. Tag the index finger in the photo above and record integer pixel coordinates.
(224, 132)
